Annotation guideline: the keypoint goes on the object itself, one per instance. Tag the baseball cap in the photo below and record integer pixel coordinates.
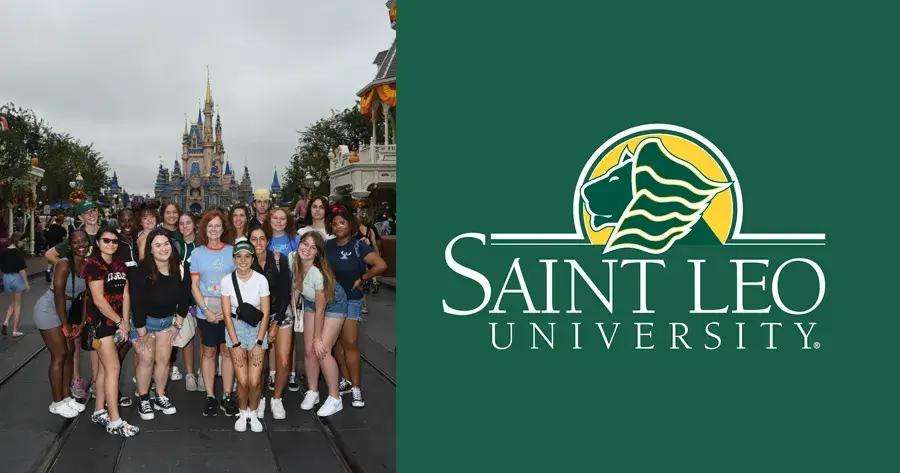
(242, 246)
(262, 194)
(84, 206)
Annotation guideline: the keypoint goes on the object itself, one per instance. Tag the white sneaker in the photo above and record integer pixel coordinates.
(255, 424)
(75, 405)
(190, 382)
(201, 386)
(278, 409)
(310, 400)
(240, 424)
(331, 406)
(62, 408)
(175, 374)
(261, 409)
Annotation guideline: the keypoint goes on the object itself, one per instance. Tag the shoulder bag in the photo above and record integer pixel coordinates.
(245, 312)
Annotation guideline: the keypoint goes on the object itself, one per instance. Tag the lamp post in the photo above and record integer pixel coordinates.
(79, 181)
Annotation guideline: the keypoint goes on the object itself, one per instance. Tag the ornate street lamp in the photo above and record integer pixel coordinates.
(79, 181)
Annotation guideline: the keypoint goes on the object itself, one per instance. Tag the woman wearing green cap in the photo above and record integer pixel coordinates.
(245, 304)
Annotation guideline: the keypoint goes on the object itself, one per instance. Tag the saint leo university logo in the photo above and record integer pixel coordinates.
(655, 186)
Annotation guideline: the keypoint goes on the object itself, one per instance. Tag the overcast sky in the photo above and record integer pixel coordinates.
(123, 74)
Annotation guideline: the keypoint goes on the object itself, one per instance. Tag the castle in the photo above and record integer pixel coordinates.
(203, 177)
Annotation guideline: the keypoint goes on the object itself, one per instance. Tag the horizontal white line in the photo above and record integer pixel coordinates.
(779, 236)
(769, 243)
(536, 236)
(540, 243)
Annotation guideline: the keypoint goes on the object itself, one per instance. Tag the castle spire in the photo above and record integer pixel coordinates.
(209, 99)
(185, 125)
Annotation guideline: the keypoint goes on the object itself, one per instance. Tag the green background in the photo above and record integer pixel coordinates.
(504, 102)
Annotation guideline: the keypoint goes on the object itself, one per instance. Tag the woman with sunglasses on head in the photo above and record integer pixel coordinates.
(162, 293)
(239, 216)
(354, 262)
(274, 266)
(60, 324)
(245, 303)
(107, 314)
(187, 242)
(324, 313)
(282, 239)
(210, 262)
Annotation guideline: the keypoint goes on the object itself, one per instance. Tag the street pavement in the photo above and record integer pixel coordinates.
(356, 440)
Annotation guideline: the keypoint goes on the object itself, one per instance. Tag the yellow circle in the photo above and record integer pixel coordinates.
(720, 213)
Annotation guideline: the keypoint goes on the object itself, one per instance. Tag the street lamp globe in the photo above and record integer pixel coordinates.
(316, 183)
(79, 180)
(72, 184)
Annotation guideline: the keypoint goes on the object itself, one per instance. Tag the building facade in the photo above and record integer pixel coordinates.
(370, 173)
(202, 177)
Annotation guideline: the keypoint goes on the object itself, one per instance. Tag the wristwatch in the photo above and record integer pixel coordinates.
(259, 342)
(236, 345)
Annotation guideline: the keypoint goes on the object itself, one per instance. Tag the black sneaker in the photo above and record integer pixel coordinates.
(229, 405)
(345, 386)
(293, 385)
(162, 403)
(145, 409)
(375, 287)
(124, 401)
(212, 407)
(48, 275)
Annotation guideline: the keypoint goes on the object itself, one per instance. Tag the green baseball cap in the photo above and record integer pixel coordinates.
(84, 206)
(242, 246)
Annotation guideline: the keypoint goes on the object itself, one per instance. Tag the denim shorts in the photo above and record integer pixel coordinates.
(154, 325)
(246, 334)
(354, 310)
(336, 309)
(13, 282)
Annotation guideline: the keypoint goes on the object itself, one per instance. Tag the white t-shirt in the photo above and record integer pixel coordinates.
(312, 283)
(251, 291)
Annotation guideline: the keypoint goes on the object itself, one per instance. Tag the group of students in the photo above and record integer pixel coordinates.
(229, 285)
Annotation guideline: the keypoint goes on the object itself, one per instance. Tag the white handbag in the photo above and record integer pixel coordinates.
(188, 326)
(298, 316)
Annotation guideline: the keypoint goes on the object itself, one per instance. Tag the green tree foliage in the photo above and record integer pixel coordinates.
(316, 143)
(60, 155)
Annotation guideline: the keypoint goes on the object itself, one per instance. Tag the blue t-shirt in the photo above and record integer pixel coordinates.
(347, 266)
(212, 265)
(284, 244)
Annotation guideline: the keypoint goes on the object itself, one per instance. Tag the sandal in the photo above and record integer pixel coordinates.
(17, 334)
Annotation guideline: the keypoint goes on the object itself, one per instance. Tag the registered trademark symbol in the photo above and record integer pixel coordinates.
(816, 345)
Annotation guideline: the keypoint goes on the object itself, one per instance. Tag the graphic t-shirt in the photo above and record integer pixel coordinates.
(114, 276)
(347, 266)
(284, 244)
(212, 265)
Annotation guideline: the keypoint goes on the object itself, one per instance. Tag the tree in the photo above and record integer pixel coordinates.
(59, 154)
(20, 142)
(316, 143)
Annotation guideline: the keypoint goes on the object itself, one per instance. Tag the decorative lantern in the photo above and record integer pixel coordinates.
(354, 158)
(34, 162)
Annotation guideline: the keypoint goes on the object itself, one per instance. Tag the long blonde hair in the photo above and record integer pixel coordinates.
(320, 262)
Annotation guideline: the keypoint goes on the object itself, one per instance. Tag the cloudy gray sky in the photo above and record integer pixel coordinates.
(123, 74)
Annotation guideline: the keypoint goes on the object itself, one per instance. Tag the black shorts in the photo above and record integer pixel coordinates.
(96, 331)
(213, 335)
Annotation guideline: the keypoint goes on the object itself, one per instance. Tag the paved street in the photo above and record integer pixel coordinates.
(32, 439)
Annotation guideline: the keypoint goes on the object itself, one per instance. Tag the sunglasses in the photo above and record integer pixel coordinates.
(110, 241)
